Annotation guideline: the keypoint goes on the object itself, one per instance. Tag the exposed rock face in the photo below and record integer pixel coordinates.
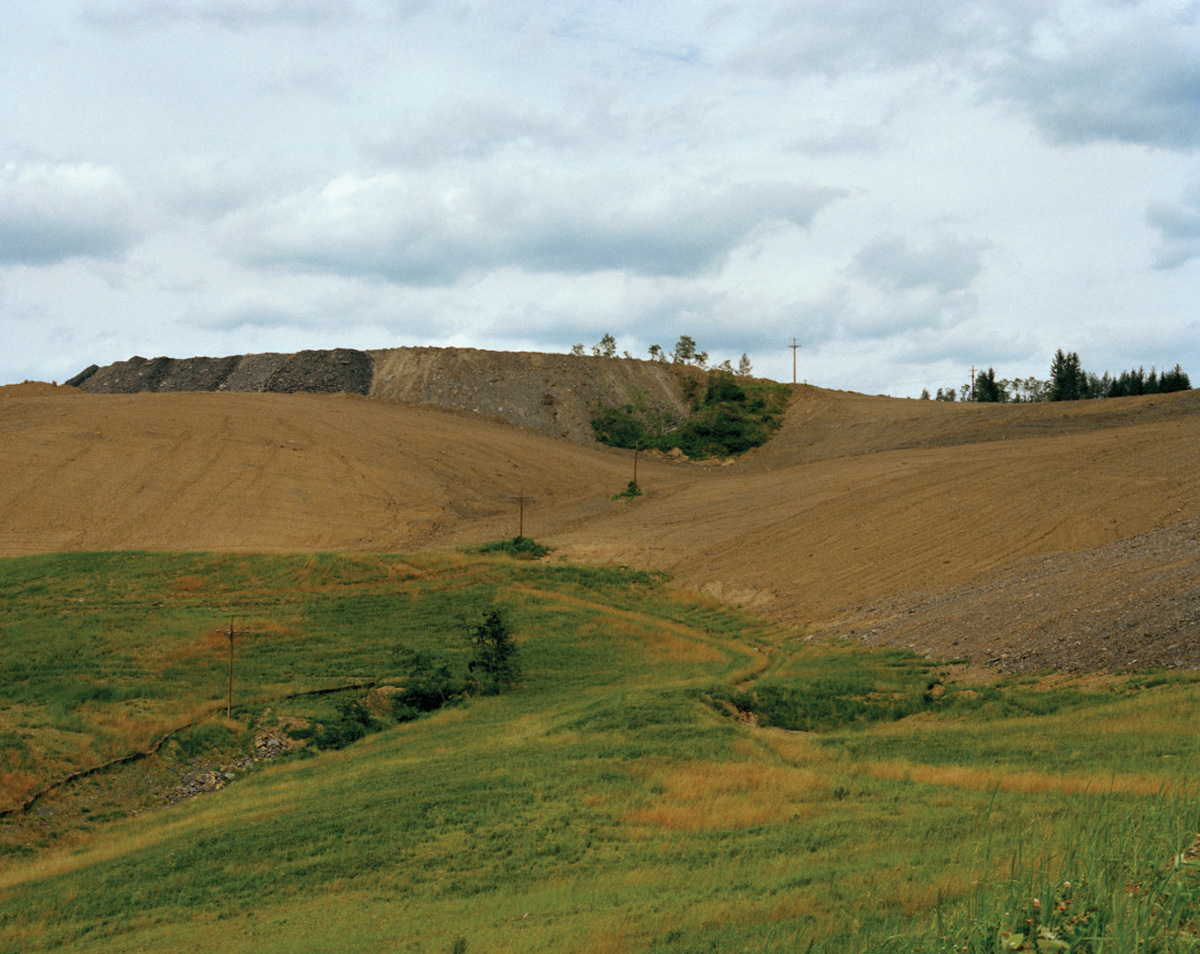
(325, 371)
(551, 392)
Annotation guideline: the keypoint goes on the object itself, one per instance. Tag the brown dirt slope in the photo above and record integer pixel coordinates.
(551, 392)
(1021, 536)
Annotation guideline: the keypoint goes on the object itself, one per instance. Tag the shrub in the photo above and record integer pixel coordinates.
(496, 664)
(353, 723)
(631, 490)
(728, 418)
(430, 686)
(523, 548)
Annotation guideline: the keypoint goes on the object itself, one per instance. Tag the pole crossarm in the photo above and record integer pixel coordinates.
(794, 346)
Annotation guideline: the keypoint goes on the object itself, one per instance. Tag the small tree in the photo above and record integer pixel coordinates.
(686, 353)
(495, 665)
(578, 350)
(606, 347)
(656, 353)
(744, 368)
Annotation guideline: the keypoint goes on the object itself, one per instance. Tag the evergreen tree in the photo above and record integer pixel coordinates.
(1067, 380)
(1174, 380)
(987, 389)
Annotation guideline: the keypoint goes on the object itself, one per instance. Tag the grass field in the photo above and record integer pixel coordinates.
(672, 776)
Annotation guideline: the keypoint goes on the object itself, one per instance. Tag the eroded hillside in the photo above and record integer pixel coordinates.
(551, 392)
(1020, 536)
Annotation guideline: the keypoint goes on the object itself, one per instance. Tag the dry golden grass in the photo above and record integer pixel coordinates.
(703, 796)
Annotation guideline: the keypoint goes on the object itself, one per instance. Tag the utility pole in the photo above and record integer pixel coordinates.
(231, 633)
(521, 517)
(794, 346)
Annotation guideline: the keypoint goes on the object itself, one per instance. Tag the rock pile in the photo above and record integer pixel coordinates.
(342, 369)
(203, 779)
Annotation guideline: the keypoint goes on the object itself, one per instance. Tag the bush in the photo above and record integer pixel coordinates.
(728, 419)
(430, 686)
(353, 723)
(523, 548)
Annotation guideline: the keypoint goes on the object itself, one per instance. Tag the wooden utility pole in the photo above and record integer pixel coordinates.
(521, 517)
(231, 633)
(636, 447)
(794, 346)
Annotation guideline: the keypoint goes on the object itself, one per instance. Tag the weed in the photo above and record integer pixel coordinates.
(631, 490)
(522, 548)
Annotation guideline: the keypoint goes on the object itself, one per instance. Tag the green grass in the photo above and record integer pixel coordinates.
(611, 803)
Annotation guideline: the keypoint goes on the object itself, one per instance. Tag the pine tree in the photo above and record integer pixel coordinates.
(987, 389)
(1067, 380)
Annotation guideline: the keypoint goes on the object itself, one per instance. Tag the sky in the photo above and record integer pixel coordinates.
(905, 188)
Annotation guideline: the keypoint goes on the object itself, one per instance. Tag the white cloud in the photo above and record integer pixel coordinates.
(1083, 71)
(948, 265)
(428, 231)
(51, 213)
(1179, 225)
(1133, 76)
(207, 187)
(834, 37)
(226, 14)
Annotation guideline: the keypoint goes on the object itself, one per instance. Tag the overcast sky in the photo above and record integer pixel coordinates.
(906, 187)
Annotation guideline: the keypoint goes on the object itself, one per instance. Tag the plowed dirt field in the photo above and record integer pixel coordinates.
(1018, 536)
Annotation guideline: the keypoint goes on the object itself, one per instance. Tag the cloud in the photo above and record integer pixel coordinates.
(847, 139)
(1082, 70)
(226, 14)
(948, 265)
(1179, 225)
(471, 130)
(834, 37)
(422, 231)
(1135, 79)
(208, 187)
(51, 213)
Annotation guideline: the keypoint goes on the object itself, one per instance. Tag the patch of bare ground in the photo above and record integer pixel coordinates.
(1018, 536)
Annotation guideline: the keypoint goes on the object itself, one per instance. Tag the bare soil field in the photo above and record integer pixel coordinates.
(1017, 536)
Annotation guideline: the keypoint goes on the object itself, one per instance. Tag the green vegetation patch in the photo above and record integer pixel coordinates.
(606, 800)
(522, 548)
(729, 416)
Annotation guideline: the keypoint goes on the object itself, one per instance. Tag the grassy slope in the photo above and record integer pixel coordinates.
(604, 807)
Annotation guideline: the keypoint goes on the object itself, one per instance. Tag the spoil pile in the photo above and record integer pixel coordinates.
(341, 369)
